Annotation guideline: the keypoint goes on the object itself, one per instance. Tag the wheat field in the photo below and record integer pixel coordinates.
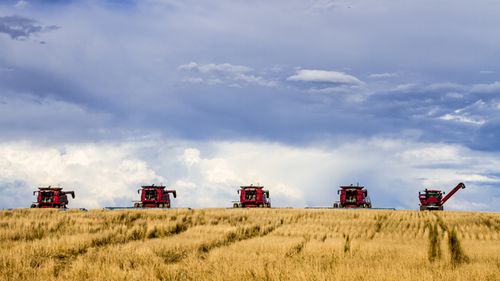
(248, 244)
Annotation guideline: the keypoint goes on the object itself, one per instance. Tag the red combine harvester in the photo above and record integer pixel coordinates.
(51, 197)
(353, 197)
(431, 199)
(253, 197)
(153, 196)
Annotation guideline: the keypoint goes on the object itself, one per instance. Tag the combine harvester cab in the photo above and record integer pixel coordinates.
(432, 199)
(253, 197)
(51, 197)
(353, 197)
(154, 196)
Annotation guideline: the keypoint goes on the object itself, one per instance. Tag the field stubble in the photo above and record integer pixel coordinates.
(227, 244)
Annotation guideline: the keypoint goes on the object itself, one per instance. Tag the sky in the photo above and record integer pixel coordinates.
(101, 97)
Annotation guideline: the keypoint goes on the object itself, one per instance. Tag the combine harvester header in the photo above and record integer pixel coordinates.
(154, 196)
(353, 197)
(253, 197)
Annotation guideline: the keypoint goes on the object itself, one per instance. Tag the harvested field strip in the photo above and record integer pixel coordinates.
(457, 254)
(242, 233)
(434, 252)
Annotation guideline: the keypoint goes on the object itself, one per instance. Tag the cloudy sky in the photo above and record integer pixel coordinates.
(102, 96)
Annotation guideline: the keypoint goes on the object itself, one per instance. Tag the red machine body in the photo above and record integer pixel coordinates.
(353, 197)
(253, 197)
(154, 196)
(51, 197)
(432, 199)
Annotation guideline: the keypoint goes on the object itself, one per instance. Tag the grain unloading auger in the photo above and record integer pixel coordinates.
(432, 199)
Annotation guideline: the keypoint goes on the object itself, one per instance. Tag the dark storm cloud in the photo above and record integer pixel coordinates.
(19, 28)
(488, 136)
(43, 83)
(228, 70)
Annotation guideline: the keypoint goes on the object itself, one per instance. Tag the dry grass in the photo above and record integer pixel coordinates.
(227, 244)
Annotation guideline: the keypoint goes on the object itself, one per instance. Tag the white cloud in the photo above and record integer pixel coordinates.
(100, 174)
(405, 87)
(225, 73)
(486, 88)
(191, 156)
(462, 119)
(383, 75)
(208, 174)
(212, 67)
(477, 113)
(433, 153)
(324, 76)
(252, 79)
